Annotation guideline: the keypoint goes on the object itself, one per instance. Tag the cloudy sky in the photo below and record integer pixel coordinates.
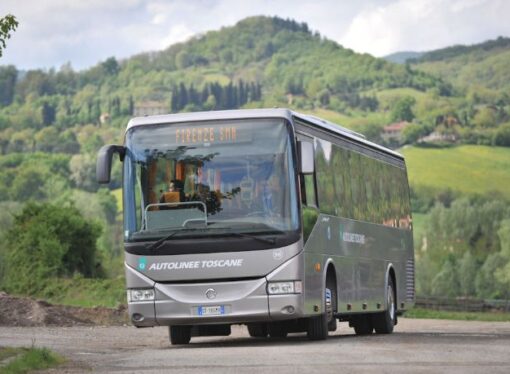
(84, 32)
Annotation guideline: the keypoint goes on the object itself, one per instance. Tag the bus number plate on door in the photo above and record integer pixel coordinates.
(211, 310)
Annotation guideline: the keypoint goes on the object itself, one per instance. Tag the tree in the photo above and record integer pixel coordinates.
(111, 66)
(412, 133)
(7, 24)
(402, 110)
(48, 241)
(8, 77)
(502, 136)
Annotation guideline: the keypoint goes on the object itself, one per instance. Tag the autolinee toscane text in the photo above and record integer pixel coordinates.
(205, 264)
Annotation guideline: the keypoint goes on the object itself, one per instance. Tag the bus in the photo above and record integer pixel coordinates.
(269, 218)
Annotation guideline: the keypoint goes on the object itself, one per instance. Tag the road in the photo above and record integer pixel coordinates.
(424, 346)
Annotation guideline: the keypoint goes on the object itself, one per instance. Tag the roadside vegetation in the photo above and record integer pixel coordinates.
(463, 316)
(25, 360)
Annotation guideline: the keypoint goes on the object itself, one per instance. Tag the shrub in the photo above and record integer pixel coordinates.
(49, 241)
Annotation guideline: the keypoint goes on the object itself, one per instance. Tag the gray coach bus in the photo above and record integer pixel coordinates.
(270, 218)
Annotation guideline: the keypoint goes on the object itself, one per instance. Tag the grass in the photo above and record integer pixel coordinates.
(30, 359)
(468, 169)
(463, 316)
(85, 292)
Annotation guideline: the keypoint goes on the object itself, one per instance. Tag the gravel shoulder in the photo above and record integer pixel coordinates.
(417, 345)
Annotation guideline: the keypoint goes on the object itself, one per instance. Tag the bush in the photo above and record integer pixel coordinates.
(502, 136)
(48, 241)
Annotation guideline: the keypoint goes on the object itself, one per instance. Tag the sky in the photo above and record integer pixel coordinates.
(84, 32)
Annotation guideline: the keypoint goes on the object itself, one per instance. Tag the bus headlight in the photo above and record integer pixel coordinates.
(278, 288)
(140, 295)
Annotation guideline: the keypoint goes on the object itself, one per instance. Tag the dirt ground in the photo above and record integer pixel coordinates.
(27, 312)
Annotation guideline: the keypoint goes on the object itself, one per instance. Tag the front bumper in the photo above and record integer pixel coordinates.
(242, 301)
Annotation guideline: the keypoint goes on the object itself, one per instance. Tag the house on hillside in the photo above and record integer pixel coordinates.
(150, 108)
(438, 137)
(393, 133)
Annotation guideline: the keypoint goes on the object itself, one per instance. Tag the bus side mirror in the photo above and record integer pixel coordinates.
(104, 161)
(306, 157)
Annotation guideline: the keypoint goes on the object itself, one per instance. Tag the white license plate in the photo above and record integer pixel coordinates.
(211, 310)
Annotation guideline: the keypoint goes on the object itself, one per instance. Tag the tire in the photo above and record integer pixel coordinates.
(362, 325)
(180, 334)
(332, 322)
(277, 330)
(385, 322)
(319, 326)
(258, 330)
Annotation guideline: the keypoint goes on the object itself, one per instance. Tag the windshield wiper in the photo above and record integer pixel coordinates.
(158, 243)
(243, 235)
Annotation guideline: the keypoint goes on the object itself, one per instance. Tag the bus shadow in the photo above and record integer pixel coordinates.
(246, 341)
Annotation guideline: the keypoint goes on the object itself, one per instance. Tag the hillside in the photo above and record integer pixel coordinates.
(480, 65)
(402, 57)
(466, 169)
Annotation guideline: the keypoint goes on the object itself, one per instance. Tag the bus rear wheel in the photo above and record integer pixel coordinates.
(385, 322)
(180, 334)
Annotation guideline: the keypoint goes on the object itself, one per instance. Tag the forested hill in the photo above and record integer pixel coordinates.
(260, 59)
(481, 65)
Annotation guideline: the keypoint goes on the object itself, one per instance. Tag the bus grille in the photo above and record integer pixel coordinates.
(410, 280)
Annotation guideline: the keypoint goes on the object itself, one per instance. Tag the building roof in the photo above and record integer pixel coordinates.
(397, 126)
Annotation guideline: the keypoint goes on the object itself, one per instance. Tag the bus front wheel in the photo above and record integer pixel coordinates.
(180, 334)
(385, 321)
(319, 326)
(258, 330)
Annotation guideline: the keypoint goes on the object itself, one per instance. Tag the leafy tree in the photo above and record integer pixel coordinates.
(7, 25)
(413, 132)
(29, 184)
(446, 282)
(501, 136)
(468, 269)
(485, 117)
(8, 78)
(83, 169)
(48, 241)
(111, 66)
(402, 110)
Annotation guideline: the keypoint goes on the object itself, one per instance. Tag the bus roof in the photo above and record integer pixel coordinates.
(257, 114)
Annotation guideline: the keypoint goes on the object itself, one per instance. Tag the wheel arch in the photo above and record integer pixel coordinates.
(329, 268)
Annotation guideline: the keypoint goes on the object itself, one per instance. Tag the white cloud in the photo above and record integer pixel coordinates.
(52, 32)
(421, 25)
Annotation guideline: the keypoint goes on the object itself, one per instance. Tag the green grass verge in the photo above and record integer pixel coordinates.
(462, 316)
(85, 292)
(30, 359)
(468, 169)
(6, 352)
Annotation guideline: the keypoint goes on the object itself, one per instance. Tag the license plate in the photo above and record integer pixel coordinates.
(211, 310)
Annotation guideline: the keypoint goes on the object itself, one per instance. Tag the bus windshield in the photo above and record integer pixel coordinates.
(224, 177)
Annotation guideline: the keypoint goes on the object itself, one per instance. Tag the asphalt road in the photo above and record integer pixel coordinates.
(422, 346)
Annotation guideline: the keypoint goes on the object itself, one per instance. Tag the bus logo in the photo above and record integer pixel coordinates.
(142, 263)
(210, 293)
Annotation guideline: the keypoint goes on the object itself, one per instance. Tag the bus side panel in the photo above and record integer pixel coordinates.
(362, 254)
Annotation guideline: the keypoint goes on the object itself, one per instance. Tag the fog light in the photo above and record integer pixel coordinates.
(137, 317)
(140, 295)
(278, 288)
